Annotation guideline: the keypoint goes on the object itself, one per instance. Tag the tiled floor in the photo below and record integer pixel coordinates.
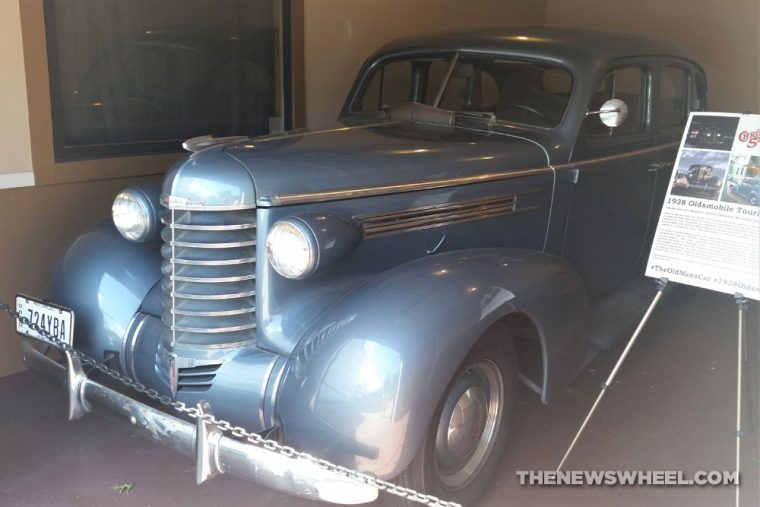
(672, 408)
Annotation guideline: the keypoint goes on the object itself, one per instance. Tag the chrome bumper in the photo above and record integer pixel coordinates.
(214, 453)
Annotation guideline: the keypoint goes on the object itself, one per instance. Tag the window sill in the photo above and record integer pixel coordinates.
(16, 180)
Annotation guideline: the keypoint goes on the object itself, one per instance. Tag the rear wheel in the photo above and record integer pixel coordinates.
(467, 437)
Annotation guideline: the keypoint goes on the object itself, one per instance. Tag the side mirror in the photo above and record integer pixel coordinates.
(613, 113)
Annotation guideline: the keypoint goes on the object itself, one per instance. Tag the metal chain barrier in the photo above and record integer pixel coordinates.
(227, 427)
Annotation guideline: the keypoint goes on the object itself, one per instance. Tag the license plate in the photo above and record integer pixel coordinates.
(54, 319)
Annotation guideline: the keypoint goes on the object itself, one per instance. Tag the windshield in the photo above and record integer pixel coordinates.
(515, 91)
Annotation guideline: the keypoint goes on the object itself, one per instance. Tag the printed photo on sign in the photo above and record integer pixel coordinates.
(708, 132)
(747, 136)
(700, 174)
(743, 182)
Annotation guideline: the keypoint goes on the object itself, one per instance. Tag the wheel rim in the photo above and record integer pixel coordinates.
(469, 424)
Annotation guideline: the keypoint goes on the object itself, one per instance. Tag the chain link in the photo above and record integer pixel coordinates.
(227, 427)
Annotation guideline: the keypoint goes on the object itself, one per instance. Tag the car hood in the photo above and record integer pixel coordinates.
(339, 163)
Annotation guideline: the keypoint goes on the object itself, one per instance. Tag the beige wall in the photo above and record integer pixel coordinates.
(340, 34)
(15, 148)
(36, 222)
(722, 35)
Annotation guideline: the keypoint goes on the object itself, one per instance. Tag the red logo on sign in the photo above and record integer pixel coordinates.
(752, 138)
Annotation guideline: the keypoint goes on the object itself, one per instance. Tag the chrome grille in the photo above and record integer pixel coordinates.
(209, 277)
(196, 379)
(436, 215)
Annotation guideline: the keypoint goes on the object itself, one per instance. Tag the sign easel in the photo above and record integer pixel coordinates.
(702, 235)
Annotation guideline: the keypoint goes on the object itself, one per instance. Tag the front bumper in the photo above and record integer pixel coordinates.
(214, 452)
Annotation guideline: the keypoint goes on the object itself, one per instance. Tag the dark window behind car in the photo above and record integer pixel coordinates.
(515, 91)
(142, 76)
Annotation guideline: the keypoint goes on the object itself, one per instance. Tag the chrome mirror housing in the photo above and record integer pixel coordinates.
(613, 113)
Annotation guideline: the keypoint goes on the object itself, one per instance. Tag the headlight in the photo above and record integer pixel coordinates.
(292, 249)
(134, 214)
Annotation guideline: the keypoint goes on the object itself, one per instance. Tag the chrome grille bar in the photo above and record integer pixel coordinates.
(209, 280)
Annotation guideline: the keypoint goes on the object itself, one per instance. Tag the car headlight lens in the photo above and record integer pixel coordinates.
(291, 248)
(133, 215)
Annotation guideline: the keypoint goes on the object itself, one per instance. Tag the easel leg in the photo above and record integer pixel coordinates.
(747, 379)
(662, 283)
(741, 306)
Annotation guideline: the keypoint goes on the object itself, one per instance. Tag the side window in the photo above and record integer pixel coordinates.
(629, 85)
(435, 74)
(489, 92)
(672, 106)
(530, 93)
(390, 85)
(459, 89)
(697, 92)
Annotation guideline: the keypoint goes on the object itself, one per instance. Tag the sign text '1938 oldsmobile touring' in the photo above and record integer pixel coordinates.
(373, 293)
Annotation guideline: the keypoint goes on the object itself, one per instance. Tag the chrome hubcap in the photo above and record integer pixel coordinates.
(468, 420)
(469, 424)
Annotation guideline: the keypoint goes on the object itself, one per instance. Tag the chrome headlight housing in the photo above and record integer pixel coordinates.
(134, 214)
(300, 246)
(292, 248)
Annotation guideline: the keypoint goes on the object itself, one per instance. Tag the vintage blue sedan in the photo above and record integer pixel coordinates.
(373, 293)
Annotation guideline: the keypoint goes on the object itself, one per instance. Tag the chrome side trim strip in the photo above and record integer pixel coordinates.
(354, 193)
(612, 158)
(358, 192)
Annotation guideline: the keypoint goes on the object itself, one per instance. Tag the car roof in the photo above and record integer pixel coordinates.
(582, 48)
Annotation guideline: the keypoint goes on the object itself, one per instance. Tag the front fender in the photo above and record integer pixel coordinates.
(104, 278)
(363, 385)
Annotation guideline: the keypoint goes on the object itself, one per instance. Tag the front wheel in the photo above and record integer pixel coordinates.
(467, 438)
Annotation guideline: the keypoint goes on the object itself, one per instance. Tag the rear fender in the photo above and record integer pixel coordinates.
(362, 386)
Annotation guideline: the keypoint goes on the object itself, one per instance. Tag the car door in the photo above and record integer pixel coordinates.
(613, 183)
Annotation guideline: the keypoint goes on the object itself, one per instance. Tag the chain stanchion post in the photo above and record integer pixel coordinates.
(662, 284)
(741, 307)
